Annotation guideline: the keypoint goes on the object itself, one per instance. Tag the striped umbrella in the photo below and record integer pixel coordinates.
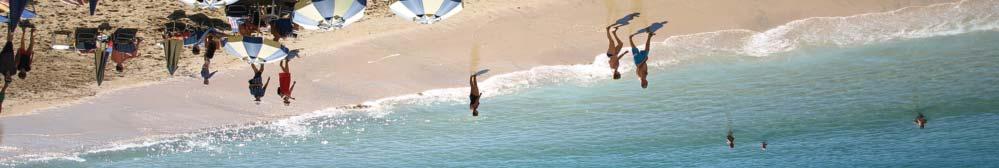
(255, 50)
(426, 11)
(209, 4)
(93, 7)
(328, 14)
(16, 9)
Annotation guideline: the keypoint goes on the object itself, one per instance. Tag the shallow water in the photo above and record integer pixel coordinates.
(816, 106)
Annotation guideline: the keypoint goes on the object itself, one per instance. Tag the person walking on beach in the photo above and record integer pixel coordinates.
(6, 68)
(257, 87)
(211, 45)
(474, 95)
(730, 139)
(613, 48)
(920, 121)
(24, 56)
(286, 85)
(8, 62)
(642, 57)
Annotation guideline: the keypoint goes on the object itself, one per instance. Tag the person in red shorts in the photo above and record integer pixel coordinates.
(284, 78)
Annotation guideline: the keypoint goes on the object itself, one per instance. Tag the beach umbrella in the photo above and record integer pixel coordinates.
(327, 14)
(255, 50)
(172, 49)
(426, 11)
(14, 15)
(208, 4)
(93, 7)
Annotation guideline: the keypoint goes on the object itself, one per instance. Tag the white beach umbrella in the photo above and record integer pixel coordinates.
(328, 14)
(426, 11)
(209, 4)
(255, 50)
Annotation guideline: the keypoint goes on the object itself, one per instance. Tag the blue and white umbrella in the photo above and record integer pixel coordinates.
(16, 9)
(426, 11)
(255, 50)
(328, 14)
(209, 4)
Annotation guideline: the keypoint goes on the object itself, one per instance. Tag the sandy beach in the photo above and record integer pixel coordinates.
(59, 107)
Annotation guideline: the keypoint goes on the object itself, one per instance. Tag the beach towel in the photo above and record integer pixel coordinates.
(234, 23)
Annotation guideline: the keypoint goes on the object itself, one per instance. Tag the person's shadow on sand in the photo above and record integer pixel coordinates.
(652, 28)
(626, 19)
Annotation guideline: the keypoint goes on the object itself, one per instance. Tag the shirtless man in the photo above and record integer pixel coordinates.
(613, 48)
(642, 57)
(474, 95)
(920, 121)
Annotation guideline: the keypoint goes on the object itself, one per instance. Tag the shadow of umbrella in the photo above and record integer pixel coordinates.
(653, 28)
(203, 20)
(626, 19)
(177, 14)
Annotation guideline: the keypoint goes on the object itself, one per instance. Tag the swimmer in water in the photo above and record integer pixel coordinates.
(731, 139)
(920, 121)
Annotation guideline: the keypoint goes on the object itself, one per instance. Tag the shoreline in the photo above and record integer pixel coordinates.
(454, 22)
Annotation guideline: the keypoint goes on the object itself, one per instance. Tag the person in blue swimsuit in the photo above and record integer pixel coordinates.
(257, 86)
(642, 57)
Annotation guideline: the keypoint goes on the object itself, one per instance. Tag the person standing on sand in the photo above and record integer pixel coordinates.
(7, 68)
(642, 57)
(284, 79)
(920, 121)
(24, 56)
(211, 45)
(119, 59)
(613, 48)
(8, 63)
(474, 95)
(257, 87)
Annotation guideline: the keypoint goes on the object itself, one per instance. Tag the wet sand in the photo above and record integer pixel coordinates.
(380, 56)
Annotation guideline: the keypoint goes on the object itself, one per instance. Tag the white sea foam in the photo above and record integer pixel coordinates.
(906, 23)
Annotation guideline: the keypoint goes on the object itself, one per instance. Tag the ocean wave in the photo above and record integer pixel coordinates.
(905, 23)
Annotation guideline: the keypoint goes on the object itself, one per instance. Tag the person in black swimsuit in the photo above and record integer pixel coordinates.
(474, 95)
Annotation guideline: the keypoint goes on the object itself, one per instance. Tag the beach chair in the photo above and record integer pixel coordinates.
(236, 11)
(86, 40)
(125, 41)
(61, 40)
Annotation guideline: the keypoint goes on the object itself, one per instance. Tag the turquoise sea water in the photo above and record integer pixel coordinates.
(816, 106)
